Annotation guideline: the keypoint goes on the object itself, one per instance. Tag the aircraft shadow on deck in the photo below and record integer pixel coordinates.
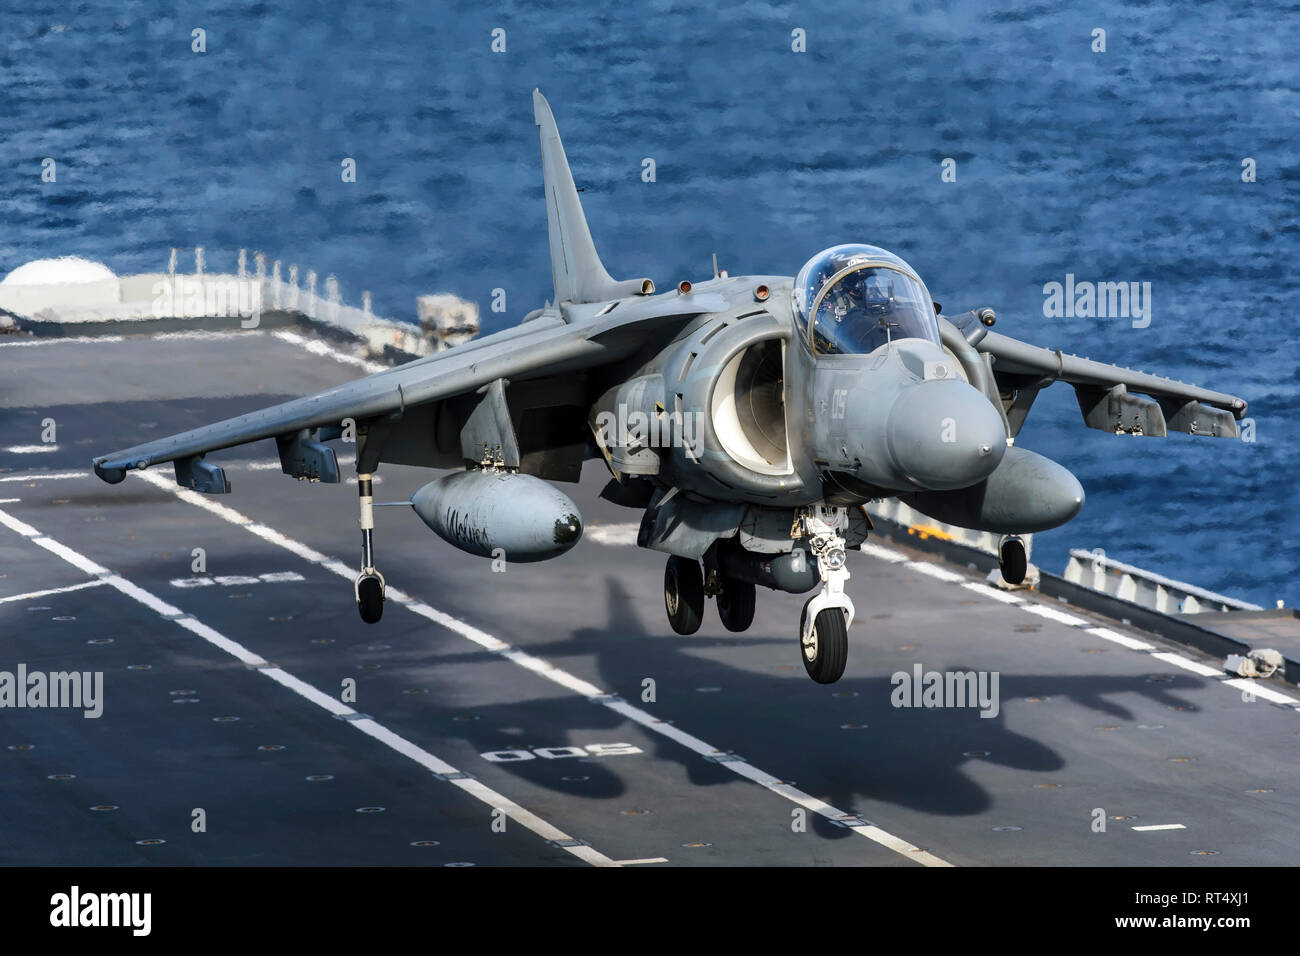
(916, 758)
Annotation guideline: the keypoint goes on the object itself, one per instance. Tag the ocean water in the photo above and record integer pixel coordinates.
(1117, 166)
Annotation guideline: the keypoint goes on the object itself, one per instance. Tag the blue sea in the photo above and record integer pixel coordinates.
(1122, 165)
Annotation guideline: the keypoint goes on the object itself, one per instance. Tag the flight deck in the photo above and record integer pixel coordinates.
(544, 713)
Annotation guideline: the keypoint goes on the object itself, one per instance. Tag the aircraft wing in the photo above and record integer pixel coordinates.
(557, 340)
(1111, 398)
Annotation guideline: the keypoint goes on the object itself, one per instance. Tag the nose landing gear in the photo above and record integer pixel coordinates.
(824, 624)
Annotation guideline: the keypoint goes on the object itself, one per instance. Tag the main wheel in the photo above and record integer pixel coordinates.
(1013, 562)
(736, 604)
(826, 651)
(684, 594)
(370, 598)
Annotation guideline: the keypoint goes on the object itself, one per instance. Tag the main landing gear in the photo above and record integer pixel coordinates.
(369, 587)
(686, 587)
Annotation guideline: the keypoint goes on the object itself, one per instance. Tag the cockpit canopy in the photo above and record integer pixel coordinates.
(861, 297)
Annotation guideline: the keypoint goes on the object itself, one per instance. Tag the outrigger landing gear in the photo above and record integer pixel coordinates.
(824, 625)
(369, 587)
(1012, 560)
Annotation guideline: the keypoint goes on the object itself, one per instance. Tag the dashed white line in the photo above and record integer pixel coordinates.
(1261, 690)
(205, 335)
(108, 339)
(70, 340)
(934, 571)
(1187, 664)
(544, 668)
(320, 348)
(993, 593)
(1052, 614)
(31, 449)
(653, 859)
(1161, 826)
(366, 725)
(1123, 640)
(31, 595)
(884, 554)
(52, 476)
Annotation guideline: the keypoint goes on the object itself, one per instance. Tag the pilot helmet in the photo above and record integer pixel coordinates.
(877, 292)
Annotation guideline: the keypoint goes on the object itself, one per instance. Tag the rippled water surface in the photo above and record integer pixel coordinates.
(1123, 165)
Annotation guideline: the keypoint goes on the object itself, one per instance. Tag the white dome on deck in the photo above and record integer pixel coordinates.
(65, 270)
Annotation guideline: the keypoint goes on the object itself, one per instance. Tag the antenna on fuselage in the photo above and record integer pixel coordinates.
(715, 265)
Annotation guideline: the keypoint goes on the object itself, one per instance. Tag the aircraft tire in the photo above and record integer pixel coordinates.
(684, 594)
(826, 658)
(1013, 562)
(736, 604)
(370, 599)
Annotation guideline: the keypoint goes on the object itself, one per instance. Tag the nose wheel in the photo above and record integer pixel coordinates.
(825, 643)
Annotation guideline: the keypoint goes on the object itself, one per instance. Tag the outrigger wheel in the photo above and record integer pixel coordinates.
(684, 594)
(370, 596)
(1012, 560)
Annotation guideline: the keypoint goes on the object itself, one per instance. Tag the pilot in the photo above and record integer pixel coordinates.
(848, 298)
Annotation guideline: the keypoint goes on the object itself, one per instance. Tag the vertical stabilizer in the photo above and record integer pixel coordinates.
(575, 266)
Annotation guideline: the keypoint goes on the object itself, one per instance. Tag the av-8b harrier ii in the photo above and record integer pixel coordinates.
(749, 418)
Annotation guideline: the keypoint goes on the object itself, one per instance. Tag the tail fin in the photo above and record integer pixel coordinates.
(575, 266)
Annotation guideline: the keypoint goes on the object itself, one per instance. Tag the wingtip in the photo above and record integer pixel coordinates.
(110, 475)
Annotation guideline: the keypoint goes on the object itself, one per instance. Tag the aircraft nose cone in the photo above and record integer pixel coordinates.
(945, 434)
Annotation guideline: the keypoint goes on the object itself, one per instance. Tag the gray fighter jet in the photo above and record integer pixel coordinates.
(748, 418)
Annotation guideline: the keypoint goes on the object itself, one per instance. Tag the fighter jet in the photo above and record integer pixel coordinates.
(748, 418)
